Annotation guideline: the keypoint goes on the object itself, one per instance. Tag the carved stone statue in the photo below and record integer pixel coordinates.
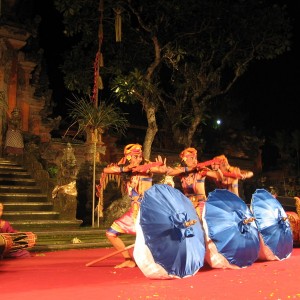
(65, 193)
(14, 144)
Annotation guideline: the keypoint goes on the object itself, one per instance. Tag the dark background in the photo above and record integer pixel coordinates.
(268, 92)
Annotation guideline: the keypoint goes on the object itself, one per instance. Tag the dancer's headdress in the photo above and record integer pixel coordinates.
(188, 152)
(129, 150)
(222, 160)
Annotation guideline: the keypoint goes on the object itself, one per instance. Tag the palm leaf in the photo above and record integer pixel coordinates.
(87, 116)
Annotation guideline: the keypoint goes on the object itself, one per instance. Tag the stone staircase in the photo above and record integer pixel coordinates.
(82, 238)
(28, 208)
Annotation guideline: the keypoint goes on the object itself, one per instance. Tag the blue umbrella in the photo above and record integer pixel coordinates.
(169, 236)
(230, 230)
(273, 225)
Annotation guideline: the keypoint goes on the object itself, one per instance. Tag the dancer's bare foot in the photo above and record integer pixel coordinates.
(129, 263)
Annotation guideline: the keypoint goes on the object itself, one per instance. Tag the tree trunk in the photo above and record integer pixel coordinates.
(151, 130)
(185, 137)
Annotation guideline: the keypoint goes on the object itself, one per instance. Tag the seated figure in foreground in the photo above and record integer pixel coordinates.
(5, 227)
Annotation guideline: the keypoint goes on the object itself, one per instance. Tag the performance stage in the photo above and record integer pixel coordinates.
(64, 275)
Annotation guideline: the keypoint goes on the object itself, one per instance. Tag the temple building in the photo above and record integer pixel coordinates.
(23, 83)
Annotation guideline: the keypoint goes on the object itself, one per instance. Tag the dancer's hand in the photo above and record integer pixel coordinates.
(161, 160)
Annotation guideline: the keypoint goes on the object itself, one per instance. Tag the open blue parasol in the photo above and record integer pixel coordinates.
(232, 237)
(273, 225)
(169, 237)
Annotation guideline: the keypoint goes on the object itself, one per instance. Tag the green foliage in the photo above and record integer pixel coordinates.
(133, 87)
(88, 116)
(208, 35)
(178, 55)
(76, 79)
(53, 171)
(81, 21)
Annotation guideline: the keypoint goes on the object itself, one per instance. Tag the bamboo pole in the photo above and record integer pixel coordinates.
(109, 255)
(94, 176)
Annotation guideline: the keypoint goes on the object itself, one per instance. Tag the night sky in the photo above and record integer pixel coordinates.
(269, 90)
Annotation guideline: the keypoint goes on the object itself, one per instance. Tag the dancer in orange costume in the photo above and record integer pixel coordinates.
(139, 180)
(192, 175)
(231, 174)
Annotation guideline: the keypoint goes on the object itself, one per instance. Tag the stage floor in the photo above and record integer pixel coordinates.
(64, 275)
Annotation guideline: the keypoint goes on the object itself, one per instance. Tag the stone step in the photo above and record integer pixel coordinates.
(17, 181)
(27, 207)
(12, 174)
(45, 225)
(30, 215)
(19, 189)
(67, 236)
(11, 167)
(4, 161)
(68, 246)
(23, 206)
(23, 197)
(74, 239)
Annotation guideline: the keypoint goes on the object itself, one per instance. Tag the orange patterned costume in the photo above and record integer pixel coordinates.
(231, 174)
(139, 180)
(135, 187)
(192, 176)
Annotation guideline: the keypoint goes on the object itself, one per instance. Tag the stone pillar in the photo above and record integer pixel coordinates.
(12, 87)
(25, 94)
(25, 114)
(95, 144)
(3, 108)
(15, 44)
